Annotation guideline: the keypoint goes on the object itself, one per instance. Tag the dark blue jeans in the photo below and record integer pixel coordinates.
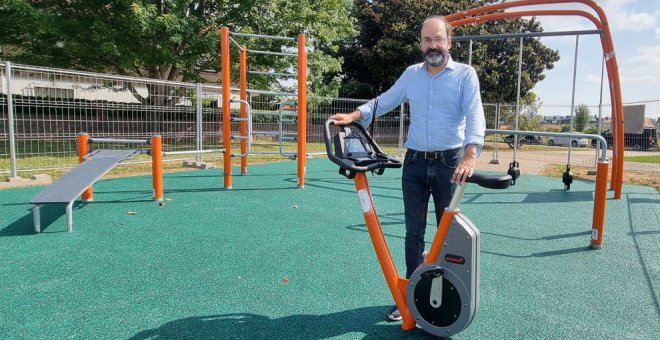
(421, 178)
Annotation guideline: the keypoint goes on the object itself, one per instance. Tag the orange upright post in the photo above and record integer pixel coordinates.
(226, 109)
(600, 201)
(396, 284)
(439, 239)
(157, 166)
(302, 110)
(243, 95)
(83, 149)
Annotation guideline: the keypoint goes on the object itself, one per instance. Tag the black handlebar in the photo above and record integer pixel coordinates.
(491, 181)
(355, 151)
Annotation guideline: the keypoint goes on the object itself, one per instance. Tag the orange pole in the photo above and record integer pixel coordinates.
(439, 239)
(226, 109)
(157, 166)
(396, 284)
(243, 95)
(82, 147)
(612, 73)
(302, 110)
(600, 201)
(505, 15)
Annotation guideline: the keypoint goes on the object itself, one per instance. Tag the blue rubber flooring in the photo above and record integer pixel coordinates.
(267, 260)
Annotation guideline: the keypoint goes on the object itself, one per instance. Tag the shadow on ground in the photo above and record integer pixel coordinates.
(366, 321)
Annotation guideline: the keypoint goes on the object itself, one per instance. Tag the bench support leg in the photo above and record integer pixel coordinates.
(69, 217)
(37, 218)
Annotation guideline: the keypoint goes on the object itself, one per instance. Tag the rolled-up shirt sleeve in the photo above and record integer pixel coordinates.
(475, 129)
(386, 101)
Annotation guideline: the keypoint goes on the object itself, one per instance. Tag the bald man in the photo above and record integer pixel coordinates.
(445, 136)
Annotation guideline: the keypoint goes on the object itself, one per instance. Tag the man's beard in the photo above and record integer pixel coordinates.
(436, 56)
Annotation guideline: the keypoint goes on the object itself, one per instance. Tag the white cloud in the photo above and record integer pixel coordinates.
(642, 66)
(620, 14)
(593, 78)
(624, 19)
(657, 33)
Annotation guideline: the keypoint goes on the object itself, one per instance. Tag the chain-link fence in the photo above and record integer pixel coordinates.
(49, 107)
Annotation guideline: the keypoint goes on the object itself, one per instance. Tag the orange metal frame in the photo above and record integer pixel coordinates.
(396, 283)
(475, 15)
(226, 110)
(156, 152)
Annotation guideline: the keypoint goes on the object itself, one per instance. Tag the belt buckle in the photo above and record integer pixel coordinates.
(430, 155)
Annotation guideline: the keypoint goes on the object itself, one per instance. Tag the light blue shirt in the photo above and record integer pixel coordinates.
(445, 109)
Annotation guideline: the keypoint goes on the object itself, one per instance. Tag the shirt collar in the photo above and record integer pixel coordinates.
(451, 64)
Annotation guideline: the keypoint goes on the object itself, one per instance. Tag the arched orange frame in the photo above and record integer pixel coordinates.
(469, 16)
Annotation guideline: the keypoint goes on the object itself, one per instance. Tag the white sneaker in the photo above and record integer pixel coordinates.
(394, 314)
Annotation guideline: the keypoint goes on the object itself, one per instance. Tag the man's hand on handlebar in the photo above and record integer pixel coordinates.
(466, 167)
(346, 118)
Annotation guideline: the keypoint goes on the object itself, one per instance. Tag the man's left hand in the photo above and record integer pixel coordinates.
(466, 167)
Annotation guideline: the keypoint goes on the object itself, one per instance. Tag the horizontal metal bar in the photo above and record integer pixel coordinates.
(119, 141)
(191, 152)
(16, 67)
(265, 113)
(601, 139)
(282, 54)
(250, 35)
(288, 94)
(523, 35)
(291, 75)
(265, 132)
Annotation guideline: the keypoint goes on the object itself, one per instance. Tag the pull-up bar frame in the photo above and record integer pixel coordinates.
(225, 38)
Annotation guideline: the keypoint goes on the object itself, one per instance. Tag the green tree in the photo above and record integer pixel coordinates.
(388, 42)
(171, 39)
(582, 115)
(528, 119)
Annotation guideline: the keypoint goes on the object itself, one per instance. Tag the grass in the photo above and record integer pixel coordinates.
(582, 172)
(140, 165)
(655, 159)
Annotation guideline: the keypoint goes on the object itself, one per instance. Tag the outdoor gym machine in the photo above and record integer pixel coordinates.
(442, 295)
(245, 117)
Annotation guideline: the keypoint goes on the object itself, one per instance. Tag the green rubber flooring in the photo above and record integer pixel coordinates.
(267, 260)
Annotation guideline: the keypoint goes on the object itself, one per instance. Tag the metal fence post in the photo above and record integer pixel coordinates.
(10, 122)
(496, 143)
(198, 121)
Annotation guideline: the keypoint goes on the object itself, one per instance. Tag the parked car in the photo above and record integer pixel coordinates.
(525, 139)
(638, 141)
(565, 140)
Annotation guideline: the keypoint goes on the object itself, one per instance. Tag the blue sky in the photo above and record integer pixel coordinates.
(635, 27)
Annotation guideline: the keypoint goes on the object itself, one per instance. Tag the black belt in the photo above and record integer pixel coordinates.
(437, 154)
